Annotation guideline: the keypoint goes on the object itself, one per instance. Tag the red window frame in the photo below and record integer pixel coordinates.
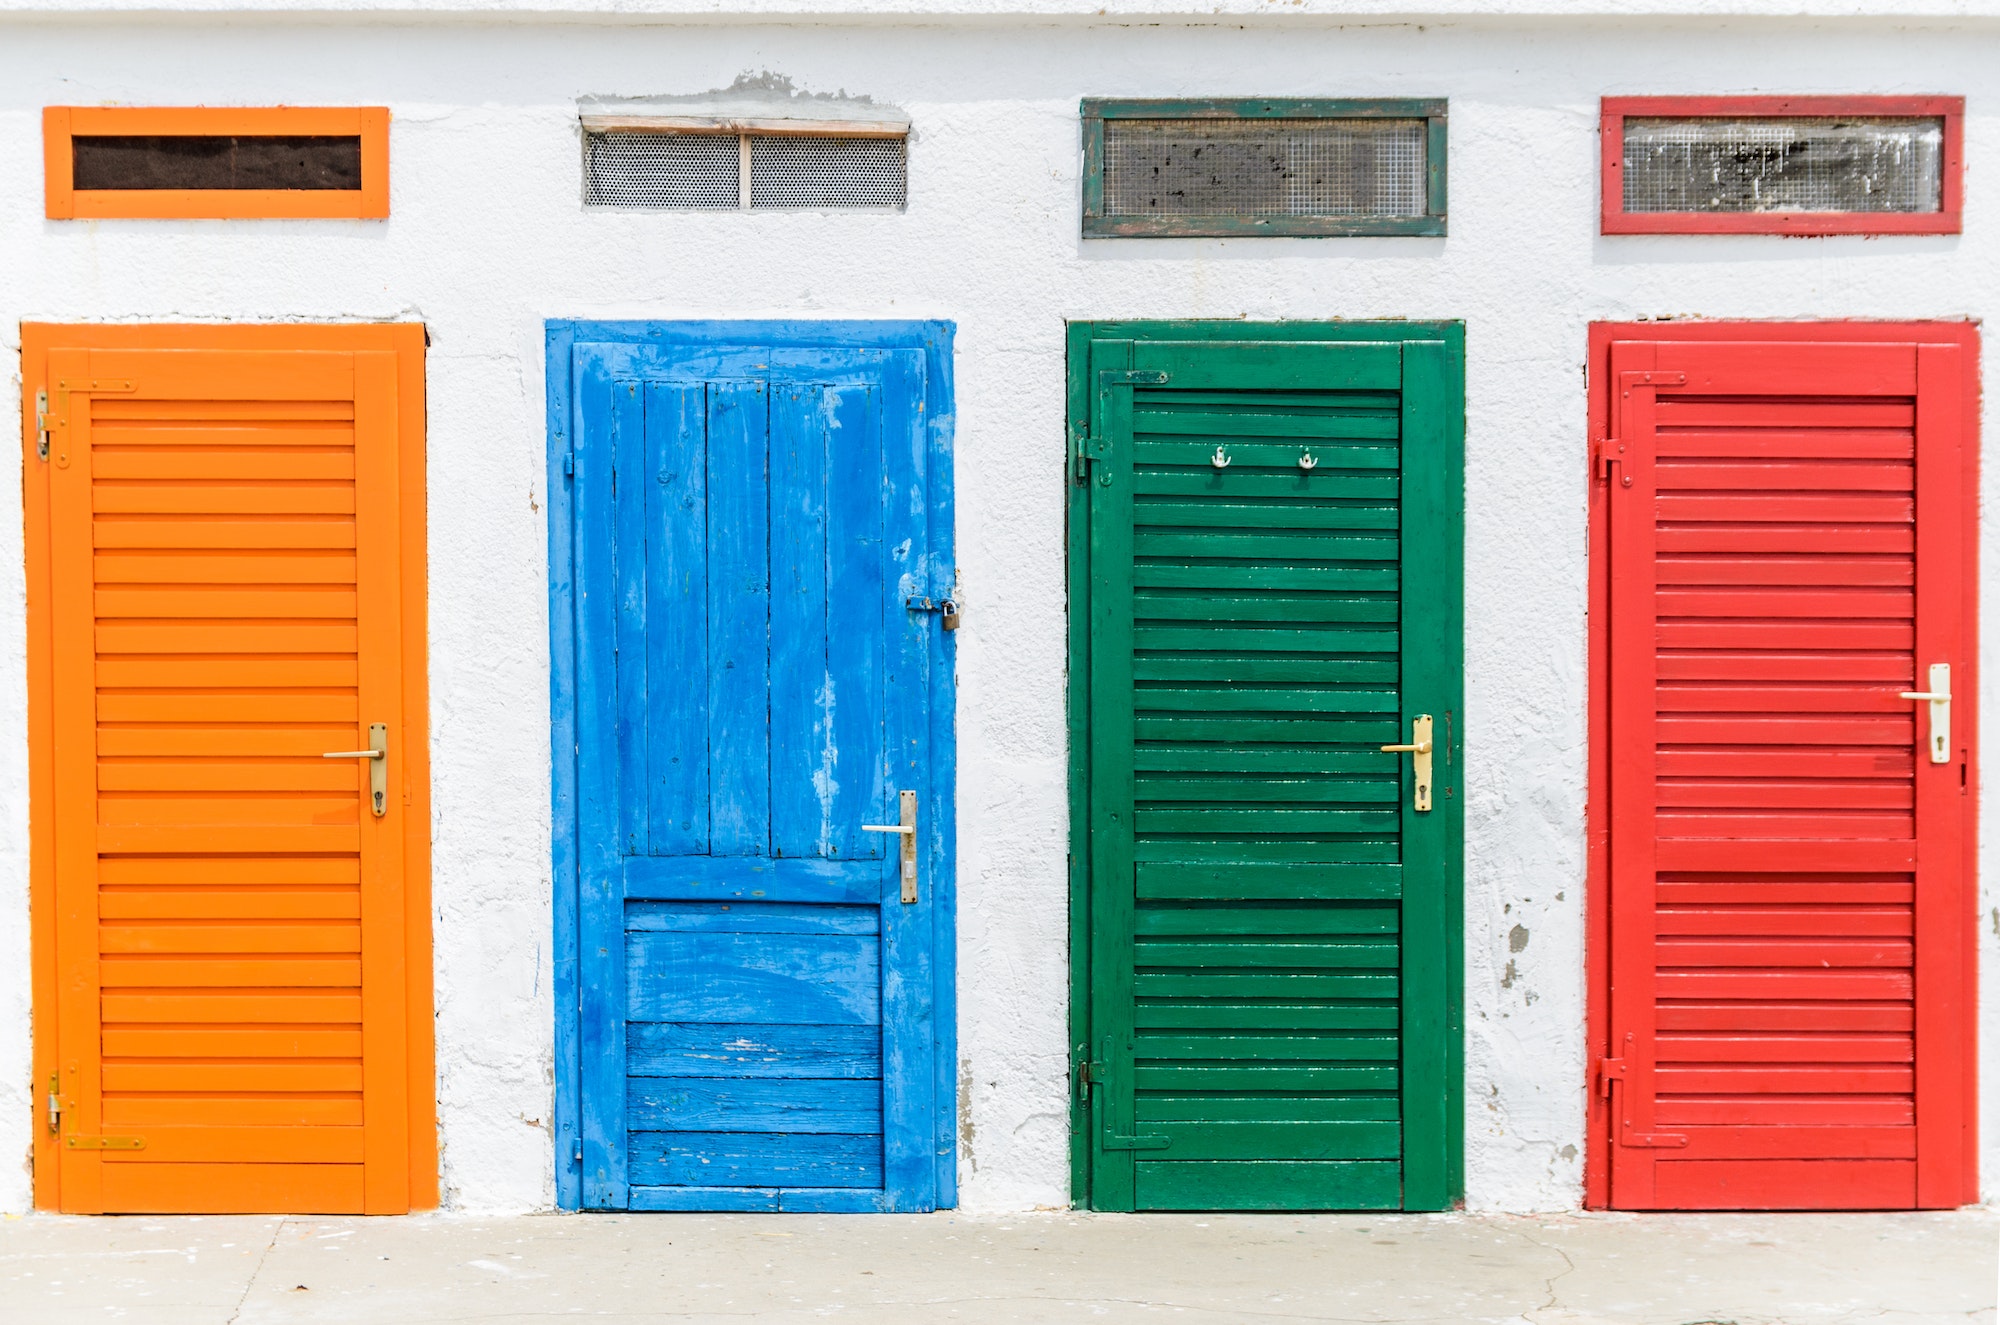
(1615, 220)
(1597, 831)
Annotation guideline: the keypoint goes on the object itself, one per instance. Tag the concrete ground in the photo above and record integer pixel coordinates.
(891, 1270)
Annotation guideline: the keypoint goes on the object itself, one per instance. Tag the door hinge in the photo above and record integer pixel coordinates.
(1088, 449)
(1107, 1139)
(1650, 377)
(1611, 452)
(55, 1101)
(104, 1143)
(42, 424)
(1089, 1072)
(569, 464)
(1611, 1070)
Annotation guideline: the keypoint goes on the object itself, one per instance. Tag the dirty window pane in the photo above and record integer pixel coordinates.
(1264, 167)
(1784, 165)
(226, 162)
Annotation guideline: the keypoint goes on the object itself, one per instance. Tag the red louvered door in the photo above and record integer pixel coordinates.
(1786, 830)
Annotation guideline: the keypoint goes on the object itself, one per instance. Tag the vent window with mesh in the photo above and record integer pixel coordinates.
(1704, 168)
(710, 171)
(1271, 168)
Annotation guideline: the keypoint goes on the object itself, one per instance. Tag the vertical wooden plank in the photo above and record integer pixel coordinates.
(863, 441)
(805, 758)
(408, 342)
(374, 126)
(1113, 788)
(894, 417)
(1432, 548)
(739, 616)
(1942, 790)
(1082, 1141)
(42, 899)
(600, 879)
(933, 366)
(558, 366)
(631, 477)
(58, 164)
(1634, 669)
(74, 732)
(378, 579)
(675, 735)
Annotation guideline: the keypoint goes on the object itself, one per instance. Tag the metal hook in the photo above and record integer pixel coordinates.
(1220, 459)
(1307, 460)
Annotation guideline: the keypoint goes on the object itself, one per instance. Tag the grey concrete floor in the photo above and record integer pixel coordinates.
(1190, 1269)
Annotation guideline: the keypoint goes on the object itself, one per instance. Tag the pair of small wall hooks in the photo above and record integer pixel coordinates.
(1307, 460)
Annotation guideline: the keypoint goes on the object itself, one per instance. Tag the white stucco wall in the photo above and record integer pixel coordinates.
(487, 239)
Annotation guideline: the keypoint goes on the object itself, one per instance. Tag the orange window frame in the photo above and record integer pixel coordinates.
(62, 124)
(409, 342)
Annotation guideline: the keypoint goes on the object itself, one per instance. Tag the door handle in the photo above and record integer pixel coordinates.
(908, 829)
(377, 755)
(1939, 698)
(1419, 750)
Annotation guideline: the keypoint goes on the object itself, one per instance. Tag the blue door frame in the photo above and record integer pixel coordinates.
(919, 1169)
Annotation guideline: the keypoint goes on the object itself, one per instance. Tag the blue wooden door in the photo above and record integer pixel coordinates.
(758, 1020)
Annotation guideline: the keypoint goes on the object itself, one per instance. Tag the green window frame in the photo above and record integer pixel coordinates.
(1100, 224)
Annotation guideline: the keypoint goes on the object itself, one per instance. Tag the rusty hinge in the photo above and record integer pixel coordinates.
(104, 1142)
(1086, 1076)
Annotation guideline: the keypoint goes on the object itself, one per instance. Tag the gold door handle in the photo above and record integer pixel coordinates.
(1939, 698)
(377, 755)
(908, 828)
(1419, 749)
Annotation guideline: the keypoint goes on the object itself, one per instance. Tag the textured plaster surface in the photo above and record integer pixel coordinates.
(487, 239)
(1022, 1269)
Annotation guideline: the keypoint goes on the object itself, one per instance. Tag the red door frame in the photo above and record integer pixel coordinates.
(1597, 902)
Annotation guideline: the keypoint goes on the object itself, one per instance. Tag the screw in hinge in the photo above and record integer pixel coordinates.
(55, 1101)
(42, 424)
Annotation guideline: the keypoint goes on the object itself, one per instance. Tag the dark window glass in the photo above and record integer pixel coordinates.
(172, 161)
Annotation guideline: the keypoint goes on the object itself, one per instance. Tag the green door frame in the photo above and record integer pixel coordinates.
(1438, 535)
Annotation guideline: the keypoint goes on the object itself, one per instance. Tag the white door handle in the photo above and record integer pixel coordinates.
(908, 829)
(1939, 698)
(377, 755)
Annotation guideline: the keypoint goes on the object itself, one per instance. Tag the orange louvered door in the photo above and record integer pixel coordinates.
(224, 609)
(1789, 811)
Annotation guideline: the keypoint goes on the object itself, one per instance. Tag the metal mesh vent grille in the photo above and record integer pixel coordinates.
(827, 172)
(686, 170)
(1273, 167)
(1784, 165)
(705, 170)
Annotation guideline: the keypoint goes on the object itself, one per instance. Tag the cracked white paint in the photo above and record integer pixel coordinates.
(488, 238)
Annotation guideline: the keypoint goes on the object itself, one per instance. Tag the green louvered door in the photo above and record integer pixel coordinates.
(1266, 589)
